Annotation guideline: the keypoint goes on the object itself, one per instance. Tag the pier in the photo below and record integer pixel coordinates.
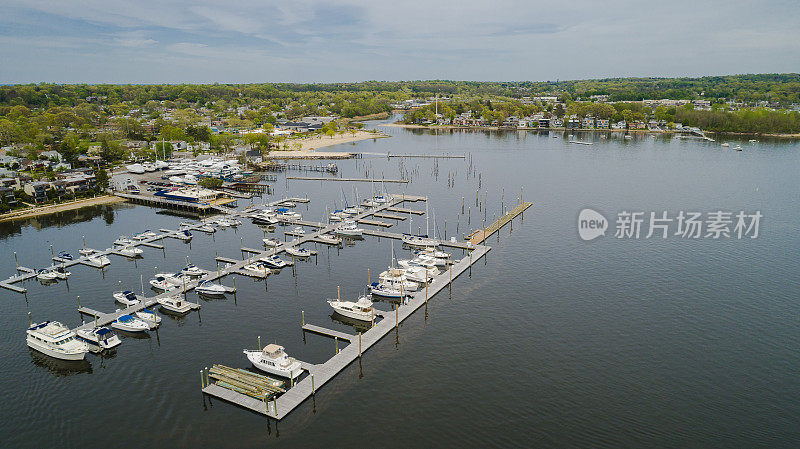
(481, 235)
(322, 178)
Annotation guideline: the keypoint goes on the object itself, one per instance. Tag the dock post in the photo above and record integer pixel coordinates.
(51, 251)
(120, 285)
(313, 390)
(397, 316)
(359, 345)
(368, 279)
(79, 301)
(426, 287)
(30, 320)
(259, 342)
(234, 286)
(336, 340)
(450, 270)
(445, 229)
(303, 315)
(15, 260)
(469, 215)
(275, 404)
(202, 380)
(462, 205)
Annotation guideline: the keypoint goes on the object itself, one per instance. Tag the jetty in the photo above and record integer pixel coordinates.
(322, 178)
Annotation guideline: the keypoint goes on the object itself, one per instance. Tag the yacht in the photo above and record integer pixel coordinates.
(418, 274)
(272, 359)
(160, 282)
(257, 269)
(264, 218)
(177, 304)
(61, 272)
(129, 251)
(273, 261)
(126, 297)
(193, 270)
(212, 289)
(360, 309)
(298, 252)
(56, 340)
(46, 275)
(123, 241)
(99, 339)
(98, 261)
(349, 228)
(128, 323)
(184, 235)
(271, 242)
(150, 317)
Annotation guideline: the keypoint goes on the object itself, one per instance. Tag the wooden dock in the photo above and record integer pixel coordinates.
(329, 332)
(481, 235)
(389, 216)
(321, 178)
(405, 211)
(429, 156)
(381, 224)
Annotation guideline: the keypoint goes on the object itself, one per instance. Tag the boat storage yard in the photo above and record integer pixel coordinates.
(260, 393)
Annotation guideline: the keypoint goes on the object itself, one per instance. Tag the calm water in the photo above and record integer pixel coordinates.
(552, 342)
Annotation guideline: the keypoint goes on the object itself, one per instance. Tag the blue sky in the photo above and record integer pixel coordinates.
(145, 41)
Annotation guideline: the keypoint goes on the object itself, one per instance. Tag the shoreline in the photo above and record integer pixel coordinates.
(309, 145)
(642, 131)
(62, 207)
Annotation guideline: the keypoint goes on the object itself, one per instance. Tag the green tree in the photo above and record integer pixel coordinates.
(101, 178)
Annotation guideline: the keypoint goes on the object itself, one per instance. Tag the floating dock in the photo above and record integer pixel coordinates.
(320, 178)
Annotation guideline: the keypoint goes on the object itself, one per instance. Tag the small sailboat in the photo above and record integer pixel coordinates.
(272, 359)
(126, 297)
(128, 323)
(99, 339)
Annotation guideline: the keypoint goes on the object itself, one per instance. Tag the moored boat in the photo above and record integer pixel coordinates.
(129, 323)
(99, 339)
(272, 359)
(56, 340)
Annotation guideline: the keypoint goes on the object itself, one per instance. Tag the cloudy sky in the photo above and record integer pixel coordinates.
(169, 41)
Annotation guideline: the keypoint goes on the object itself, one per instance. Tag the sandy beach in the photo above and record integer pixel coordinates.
(53, 208)
(310, 144)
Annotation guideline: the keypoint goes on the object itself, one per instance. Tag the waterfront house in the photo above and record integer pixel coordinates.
(7, 196)
(602, 123)
(37, 190)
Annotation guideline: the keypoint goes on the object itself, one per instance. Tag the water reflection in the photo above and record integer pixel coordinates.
(60, 368)
(358, 325)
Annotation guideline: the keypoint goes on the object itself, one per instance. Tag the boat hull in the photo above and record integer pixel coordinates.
(254, 356)
(33, 344)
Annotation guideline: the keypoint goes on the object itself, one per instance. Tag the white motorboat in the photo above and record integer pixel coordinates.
(99, 339)
(360, 309)
(380, 199)
(160, 282)
(272, 359)
(338, 215)
(298, 252)
(184, 235)
(429, 266)
(61, 272)
(148, 167)
(386, 290)
(86, 252)
(350, 229)
(264, 218)
(178, 279)
(126, 297)
(433, 252)
(329, 239)
(257, 269)
(271, 242)
(285, 214)
(193, 270)
(123, 241)
(129, 251)
(725, 144)
(396, 277)
(439, 262)
(128, 323)
(98, 261)
(64, 255)
(56, 340)
(46, 275)
(273, 261)
(298, 230)
(150, 317)
(212, 289)
(232, 222)
(177, 304)
(370, 203)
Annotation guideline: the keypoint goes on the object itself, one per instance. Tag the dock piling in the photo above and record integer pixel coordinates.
(303, 316)
(259, 342)
(79, 301)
